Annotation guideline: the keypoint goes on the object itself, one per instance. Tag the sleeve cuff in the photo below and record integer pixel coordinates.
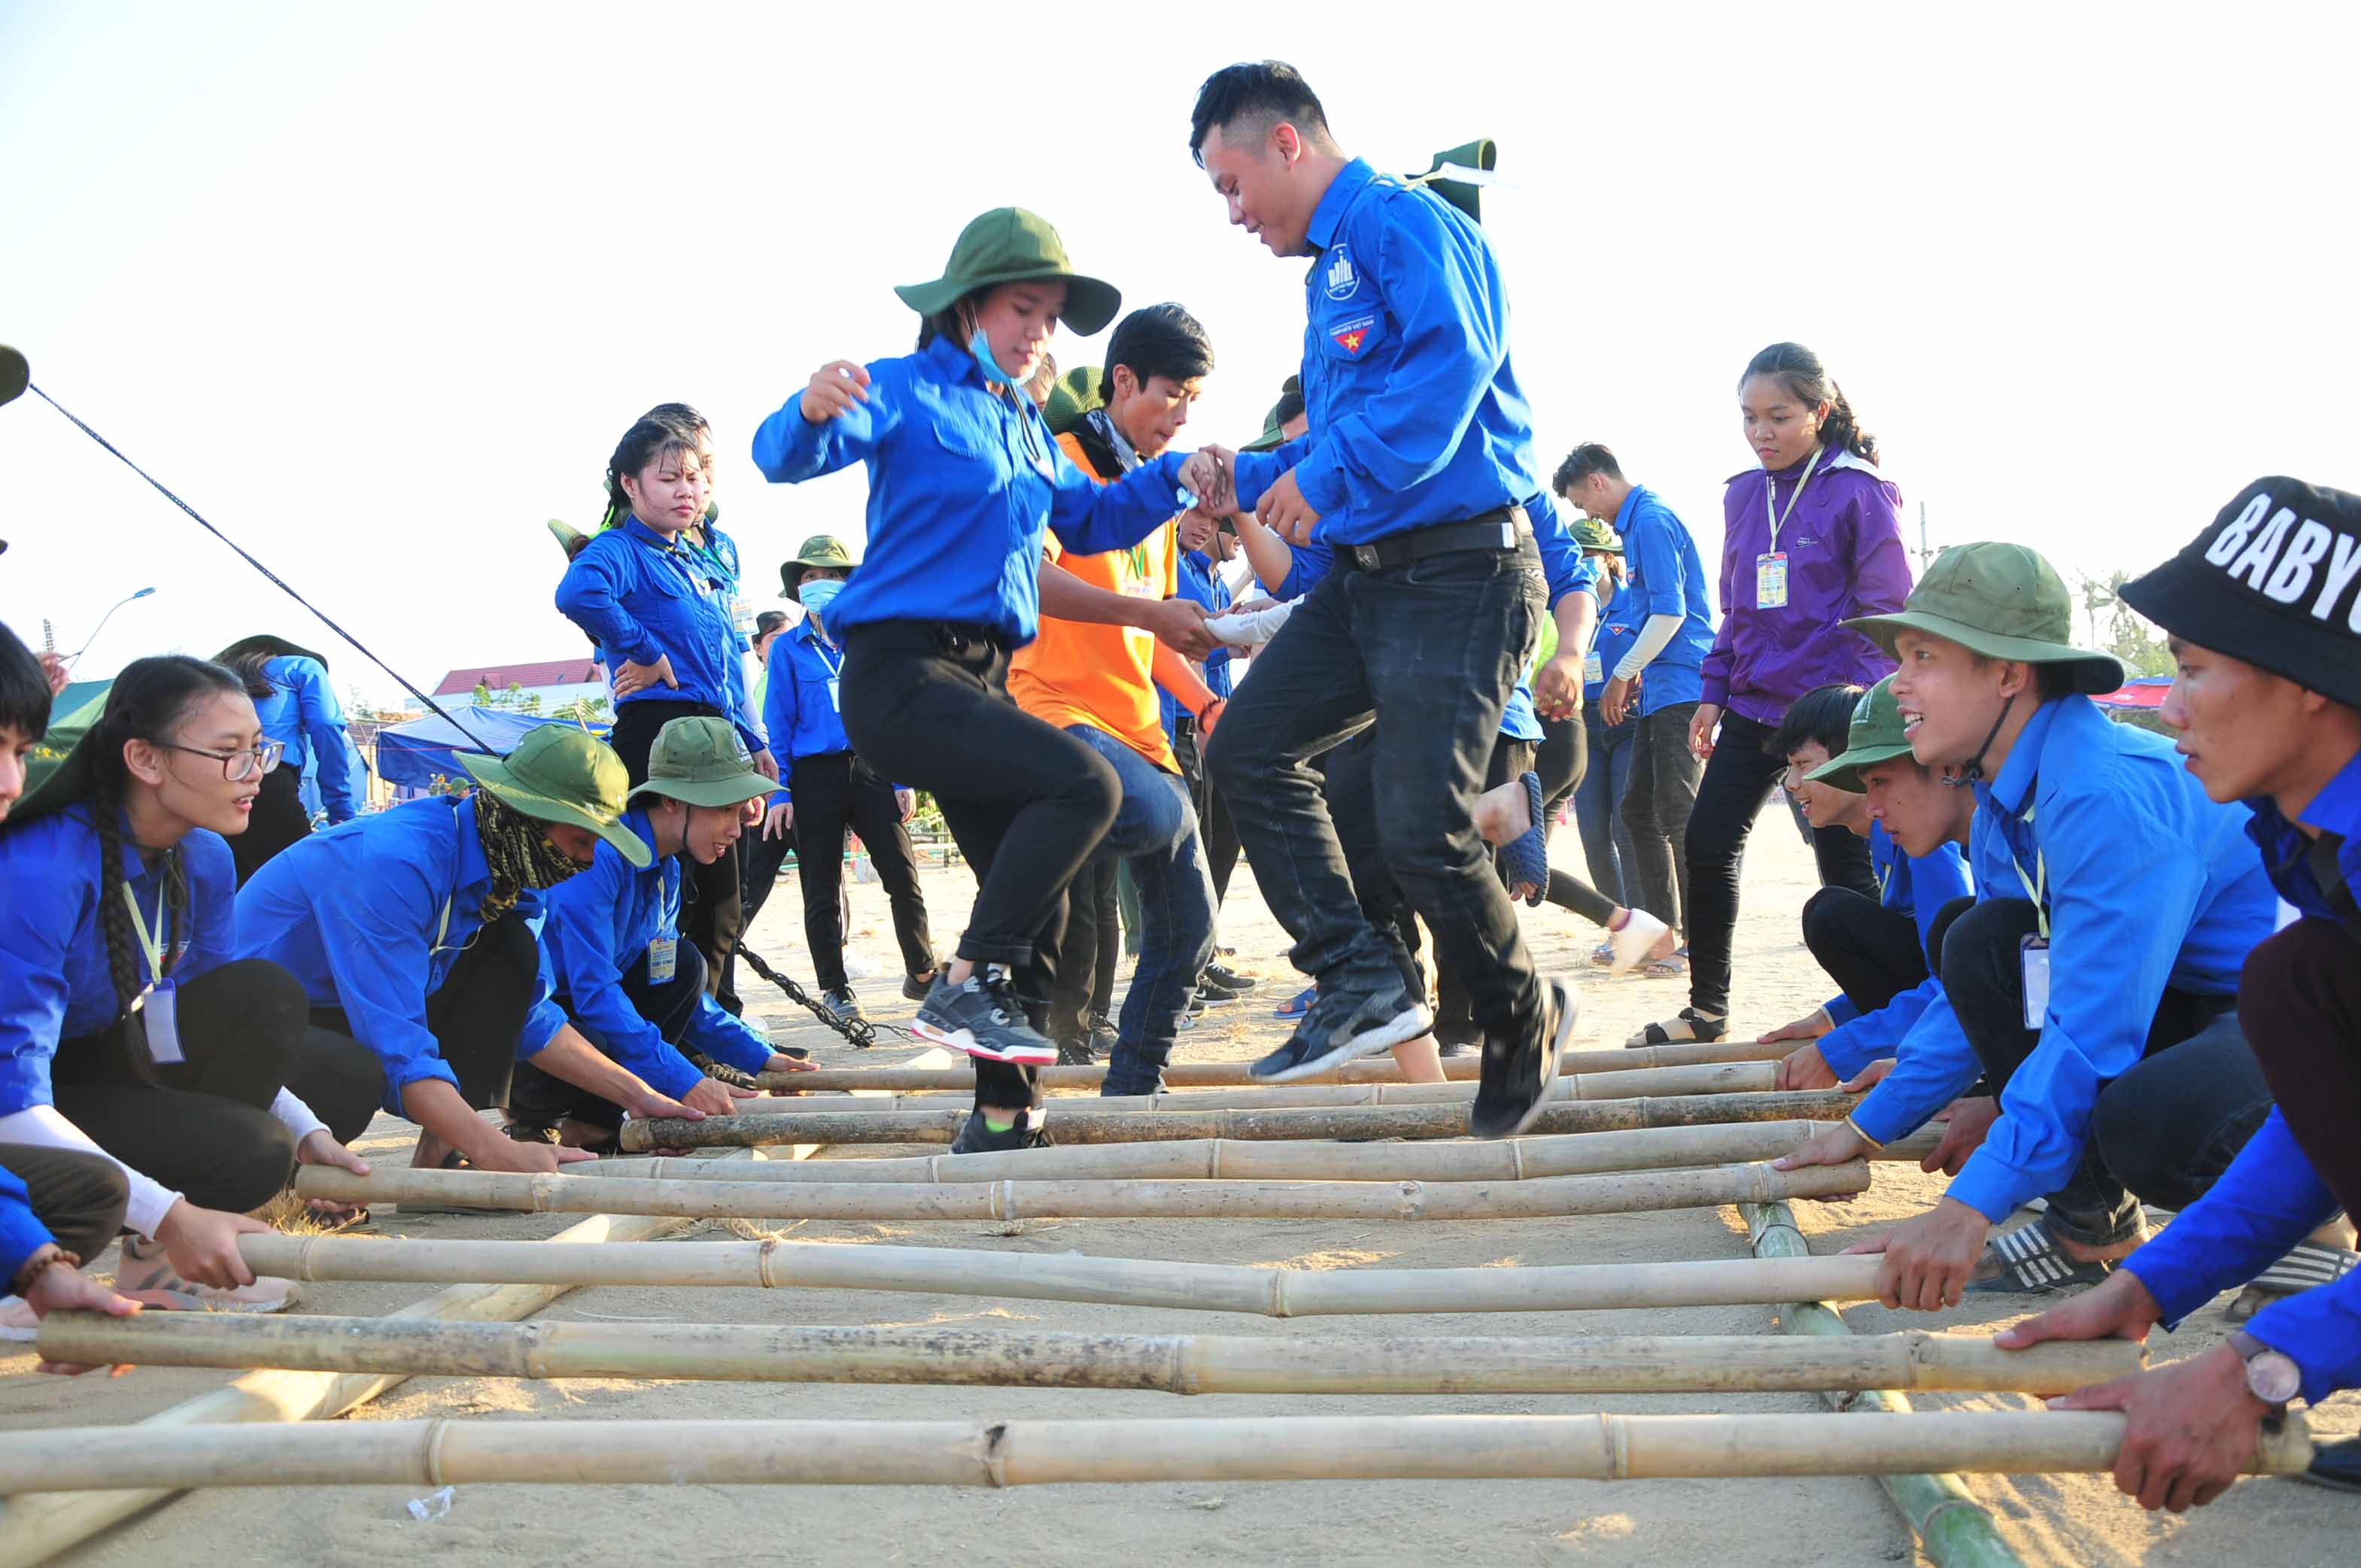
(1839, 1009)
(1846, 1052)
(1990, 1187)
(1322, 481)
(295, 1117)
(673, 1075)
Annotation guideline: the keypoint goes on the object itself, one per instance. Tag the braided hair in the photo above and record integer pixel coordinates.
(1802, 377)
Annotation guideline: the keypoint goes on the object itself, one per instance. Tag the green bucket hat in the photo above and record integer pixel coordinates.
(2004, 602)
(1009, 244)
(560, 773)
(1589, 533)
(1875, 735)
(1273, 435)
(701, 761)
(1071, 396)
(821, 550)
(1481, 156)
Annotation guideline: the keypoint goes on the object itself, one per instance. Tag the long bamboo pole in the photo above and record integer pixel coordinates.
(1025, 1453)
(1200, 1160)
(34, 1527)
(1543, 1197)
(1955, 1528)
(1069, 1277)
(1087, 1126)
(1173, 1363)
(1727, 1077)
(960, 1078)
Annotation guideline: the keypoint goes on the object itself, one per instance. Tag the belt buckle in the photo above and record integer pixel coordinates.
(1366, 557)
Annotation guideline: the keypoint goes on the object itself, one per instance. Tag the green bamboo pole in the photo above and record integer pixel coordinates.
(1955, 1530)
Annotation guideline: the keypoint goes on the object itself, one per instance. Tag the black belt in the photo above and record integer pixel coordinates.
(1501, 529)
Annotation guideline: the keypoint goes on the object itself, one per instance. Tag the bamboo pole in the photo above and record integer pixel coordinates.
(1543, 1197)
(1955, 1528)
(1025, 1453)
(960, 1078)
(1727, 1077)
(1172, 1363)
(1070, 1276)
(36, 1527)
(1199, 1159)
(1091, 1126)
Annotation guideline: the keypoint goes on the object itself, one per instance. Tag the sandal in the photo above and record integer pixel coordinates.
(2309, 1265)
(2336, 1465)
(1603, 954)
(1691, 1026)
(1297, 1005)
(2028, 1261)
(1526, 857)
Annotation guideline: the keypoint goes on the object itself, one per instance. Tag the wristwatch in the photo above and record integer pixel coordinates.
(2272, 1376)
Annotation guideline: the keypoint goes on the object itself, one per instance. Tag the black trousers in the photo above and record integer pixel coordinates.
(79, 1197)
(1738, 778)
(536, 1099)
(2300, 1007)
(2162, 1132)
(712, 915)
(1871, 951)
(1089, 953)
(204, 1125)
(833, 792)
(1659, 796)
(277, 820)
(477, 1015)
(1217, 831)
(928, 704)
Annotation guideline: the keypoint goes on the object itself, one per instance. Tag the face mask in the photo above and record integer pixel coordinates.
(815, 593)
(980, 348)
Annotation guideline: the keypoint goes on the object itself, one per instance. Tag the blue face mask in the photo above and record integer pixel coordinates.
(980, 348)
(815, 592)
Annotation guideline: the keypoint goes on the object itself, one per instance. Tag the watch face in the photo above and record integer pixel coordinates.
(2273, 1379)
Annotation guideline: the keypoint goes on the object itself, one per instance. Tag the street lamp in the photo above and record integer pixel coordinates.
(103, 619)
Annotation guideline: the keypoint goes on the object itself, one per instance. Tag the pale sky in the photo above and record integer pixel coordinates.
(378, 287)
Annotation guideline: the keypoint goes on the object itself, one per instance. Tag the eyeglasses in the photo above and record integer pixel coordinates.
(238, 766)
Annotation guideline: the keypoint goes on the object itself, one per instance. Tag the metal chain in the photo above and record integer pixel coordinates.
(860, 1032)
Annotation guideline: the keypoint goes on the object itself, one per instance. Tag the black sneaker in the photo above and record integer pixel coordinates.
(1519, 1076)
(1101, 1023)
(1230, 980)
(1103, 1039)
(1210, 988)
(1074, 1053)
(1455, 1049)
(841, 1004)
(974, 1137)
(1343, 1024)
(982, 1017)
(914, 988)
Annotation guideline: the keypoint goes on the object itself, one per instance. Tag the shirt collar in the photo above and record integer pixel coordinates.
(636, 817)
(2013, 791)
(1337, 200)
(472, 869)
(648, 536)
(1631, 503)
(807, 631)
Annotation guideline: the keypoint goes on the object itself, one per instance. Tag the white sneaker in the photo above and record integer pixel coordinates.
(1643, 936)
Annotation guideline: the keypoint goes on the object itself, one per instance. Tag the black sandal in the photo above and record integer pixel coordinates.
(2028, 1261)
(1691, 1027)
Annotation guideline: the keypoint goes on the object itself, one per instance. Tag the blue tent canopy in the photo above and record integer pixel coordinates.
(412, 753)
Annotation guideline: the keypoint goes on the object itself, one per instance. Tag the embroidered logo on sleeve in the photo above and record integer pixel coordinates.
(1351, 334)
(1343, 281)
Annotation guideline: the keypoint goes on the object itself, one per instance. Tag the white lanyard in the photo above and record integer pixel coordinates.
(1778, 520)
(835, 666)
(149, 942)
(443, 929)
(2036, 886)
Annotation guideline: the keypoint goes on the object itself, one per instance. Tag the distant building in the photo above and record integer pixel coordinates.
(557, 682)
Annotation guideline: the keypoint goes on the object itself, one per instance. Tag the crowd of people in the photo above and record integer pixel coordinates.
(1370, 652)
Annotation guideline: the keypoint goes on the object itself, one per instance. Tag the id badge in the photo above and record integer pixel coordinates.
(2034, 954)
(833, 705)
(741, 616)
(161, 1015)
(1770, 580)
(664, 959)
(1594, 669)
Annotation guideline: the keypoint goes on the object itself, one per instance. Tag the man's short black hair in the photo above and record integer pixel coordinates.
(24, 689)
(1584, 460)
(1264, 93)
(1823, 714)
(1157, 340)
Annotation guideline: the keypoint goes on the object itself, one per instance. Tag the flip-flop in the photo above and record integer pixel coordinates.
(2308, 1265)
(1690, 1026)
(1526, 857)
(2031, 1263)
(2336, 1465)
(1297, 1005)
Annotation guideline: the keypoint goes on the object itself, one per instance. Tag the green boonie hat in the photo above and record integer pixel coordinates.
(1589, 533)
(561, 773)
(1875, 735)
(1481, 156)
(1273, 435)
(701, 761)
(821, 550)
(1071, 396)
(1009, 244)
(2004, 602)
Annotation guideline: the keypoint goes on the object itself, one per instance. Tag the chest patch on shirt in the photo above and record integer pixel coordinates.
(1349, 335)
(1342, 280)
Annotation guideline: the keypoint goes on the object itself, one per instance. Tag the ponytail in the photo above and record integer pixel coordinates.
(1802, 377)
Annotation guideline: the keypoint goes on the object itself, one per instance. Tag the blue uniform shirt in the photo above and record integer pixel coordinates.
(1667, 578)
(1312, 562)
(641, 597)
(962, 485)
(371, 915)
(1416, 418)
(302, 714)
(799, 701)
(21, 1231)
(1201, 585)
(2272, 1196)
(1918, 887)
(600, 922)
(2081, 802)
(1619, 628)
(55, 984)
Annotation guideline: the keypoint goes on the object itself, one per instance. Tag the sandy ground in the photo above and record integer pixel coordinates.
(1836, 1520)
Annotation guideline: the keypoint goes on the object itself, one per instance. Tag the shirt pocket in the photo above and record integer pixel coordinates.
(1354, 332)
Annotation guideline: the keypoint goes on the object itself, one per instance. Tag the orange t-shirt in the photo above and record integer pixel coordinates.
(1079, 671)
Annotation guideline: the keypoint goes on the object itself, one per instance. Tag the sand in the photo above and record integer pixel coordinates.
(1656, 1523)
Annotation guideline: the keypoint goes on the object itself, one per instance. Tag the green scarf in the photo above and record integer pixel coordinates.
(518, 851)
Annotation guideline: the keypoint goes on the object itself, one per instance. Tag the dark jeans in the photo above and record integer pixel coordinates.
(1607, 844)
(79, 1197)
(929, 706)
(1429, 652)
(204, 1125)
(1738, 778)
(277, 820)
(536, 1099)
(2164, 1130)
(1563, 762)
(712, 915)
(1871, 951)
(2300, 1006)
(1217, 831)
(478, 1015)
(833, 792)
(1659, 794)
(1090, 952)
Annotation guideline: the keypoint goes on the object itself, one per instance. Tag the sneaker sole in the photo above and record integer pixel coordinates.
(1569, 1011)
(1409, 1026)
(964, 1040)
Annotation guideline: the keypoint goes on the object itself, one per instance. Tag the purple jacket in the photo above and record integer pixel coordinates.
(1844, 558)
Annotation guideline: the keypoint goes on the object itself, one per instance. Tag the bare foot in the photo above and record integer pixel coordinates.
(430, 1152)
(2080, 1253)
